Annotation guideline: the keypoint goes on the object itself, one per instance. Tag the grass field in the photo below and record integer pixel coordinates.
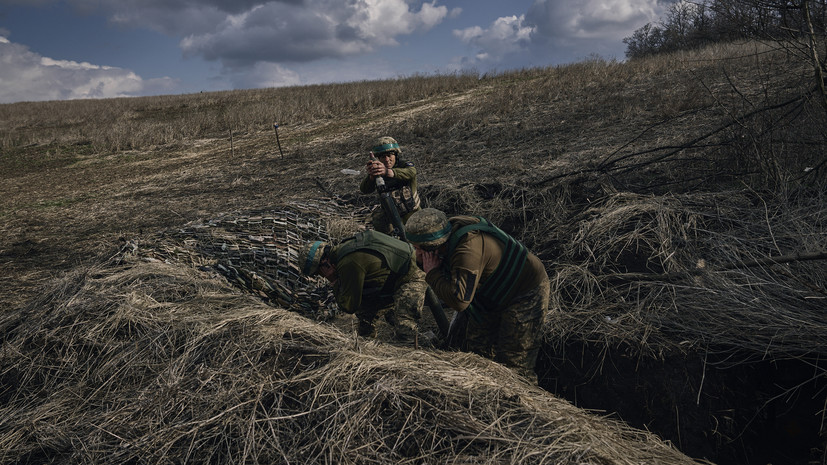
(678, 203)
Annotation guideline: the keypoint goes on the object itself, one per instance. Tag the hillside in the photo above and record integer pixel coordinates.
(678, 203)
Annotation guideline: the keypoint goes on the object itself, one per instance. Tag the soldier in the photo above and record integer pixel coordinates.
(372, 274)
(400, 179)
(477, 269)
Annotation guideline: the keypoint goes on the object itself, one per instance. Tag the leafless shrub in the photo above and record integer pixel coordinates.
(674, 273)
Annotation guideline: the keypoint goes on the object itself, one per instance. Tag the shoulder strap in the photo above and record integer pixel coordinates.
(462, 231)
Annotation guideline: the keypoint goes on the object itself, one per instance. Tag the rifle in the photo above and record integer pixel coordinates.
(389, 207)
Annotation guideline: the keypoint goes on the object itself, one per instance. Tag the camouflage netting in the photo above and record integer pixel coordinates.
(644, 272)
(143, 361)
(257, 251)
(152, 357)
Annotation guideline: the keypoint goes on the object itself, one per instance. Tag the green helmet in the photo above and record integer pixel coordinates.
(310, 256)
(428, 228)
(385, 144)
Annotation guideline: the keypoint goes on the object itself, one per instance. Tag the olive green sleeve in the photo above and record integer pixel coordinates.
(406, 174)
(348, 289)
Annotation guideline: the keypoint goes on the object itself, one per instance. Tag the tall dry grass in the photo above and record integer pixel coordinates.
(137, 123)
(530, 115)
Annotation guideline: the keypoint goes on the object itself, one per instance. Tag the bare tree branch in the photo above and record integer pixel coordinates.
(765, 261)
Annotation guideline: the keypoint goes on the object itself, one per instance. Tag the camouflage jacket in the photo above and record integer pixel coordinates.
(369, 266)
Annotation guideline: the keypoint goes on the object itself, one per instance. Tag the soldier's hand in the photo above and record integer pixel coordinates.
(430, 260)
(376, 168)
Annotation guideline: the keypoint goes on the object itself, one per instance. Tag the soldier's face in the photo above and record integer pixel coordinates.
(419, 253)
(428, 260)
(327, 270)
(388, 159)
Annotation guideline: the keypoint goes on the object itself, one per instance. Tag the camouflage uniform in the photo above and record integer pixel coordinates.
(503, 288)
(402, 310)
(402, 187)
(378, 276)
(513, 335)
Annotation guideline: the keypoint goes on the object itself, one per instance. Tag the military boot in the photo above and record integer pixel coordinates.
(366, 329)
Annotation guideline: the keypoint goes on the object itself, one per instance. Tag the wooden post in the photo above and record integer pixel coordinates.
(276, 129)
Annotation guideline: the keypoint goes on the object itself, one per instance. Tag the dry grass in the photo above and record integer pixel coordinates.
(675, 273)
(135, 361)
(140, 123)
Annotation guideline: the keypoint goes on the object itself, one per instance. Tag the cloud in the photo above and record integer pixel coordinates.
(506, 36)
(244, 32)
(591, 19)
(254, 41)
(315, 29)
(25, 75)
(285, 42)
(558, 31)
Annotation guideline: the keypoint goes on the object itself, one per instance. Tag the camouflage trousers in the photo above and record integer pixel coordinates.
(402, 312)
(513, 335)
(382, 223)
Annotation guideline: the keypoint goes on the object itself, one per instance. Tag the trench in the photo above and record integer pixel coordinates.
(760, 412)
(705, 404)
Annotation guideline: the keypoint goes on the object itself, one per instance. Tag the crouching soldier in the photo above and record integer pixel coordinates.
(477, 269)
(372, 274)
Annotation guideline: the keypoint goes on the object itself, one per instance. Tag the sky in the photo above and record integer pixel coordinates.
(71, 49)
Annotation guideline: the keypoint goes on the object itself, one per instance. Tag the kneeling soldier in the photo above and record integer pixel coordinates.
(372, 274)
(476, 268)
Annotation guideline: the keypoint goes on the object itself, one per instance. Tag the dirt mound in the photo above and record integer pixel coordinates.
(134, 360)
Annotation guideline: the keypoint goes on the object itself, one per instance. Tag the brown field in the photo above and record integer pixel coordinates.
(678, 202)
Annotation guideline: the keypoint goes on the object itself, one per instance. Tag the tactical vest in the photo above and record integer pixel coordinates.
(396, 254)
(404, 196)
(406, 199)
(504, 277)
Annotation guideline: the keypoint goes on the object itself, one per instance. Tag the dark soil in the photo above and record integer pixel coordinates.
(764, 412)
